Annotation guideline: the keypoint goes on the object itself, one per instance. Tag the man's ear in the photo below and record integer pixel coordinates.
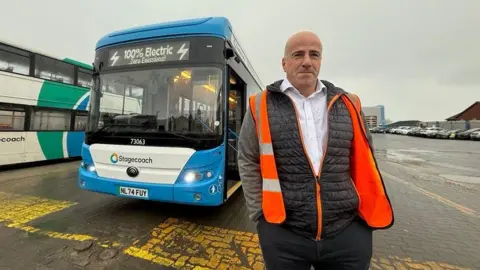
(283, 65)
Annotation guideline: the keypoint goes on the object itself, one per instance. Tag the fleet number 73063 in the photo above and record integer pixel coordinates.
(137, 141)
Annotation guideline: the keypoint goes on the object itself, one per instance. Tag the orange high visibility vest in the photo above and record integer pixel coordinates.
(374, 205)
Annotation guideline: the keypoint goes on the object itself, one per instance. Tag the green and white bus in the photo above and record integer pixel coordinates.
(43, 105)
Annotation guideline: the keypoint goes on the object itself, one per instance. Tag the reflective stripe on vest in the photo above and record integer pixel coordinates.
(374, 205)
(272, 201)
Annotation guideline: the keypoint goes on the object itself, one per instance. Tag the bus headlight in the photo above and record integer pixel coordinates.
(88, 167)
(192, 176)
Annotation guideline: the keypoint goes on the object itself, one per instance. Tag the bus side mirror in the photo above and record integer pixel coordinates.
(229, 53)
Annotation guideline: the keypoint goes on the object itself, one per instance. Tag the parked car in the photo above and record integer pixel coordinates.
(378, 130)
(381, 130)
(429, 131)
(432, 132)
(448, 134)
(403, 130)
(395, 130)
(414, 131)
(465, 135)
(475, 135)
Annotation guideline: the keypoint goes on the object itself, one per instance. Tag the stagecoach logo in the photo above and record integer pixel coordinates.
(151, 53)
(114, 158)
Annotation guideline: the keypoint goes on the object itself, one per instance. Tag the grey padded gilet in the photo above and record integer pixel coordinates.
(339, 200)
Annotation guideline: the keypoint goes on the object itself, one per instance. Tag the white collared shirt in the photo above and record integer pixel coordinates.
(313, 119)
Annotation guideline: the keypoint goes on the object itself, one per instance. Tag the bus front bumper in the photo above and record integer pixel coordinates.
(206, 193)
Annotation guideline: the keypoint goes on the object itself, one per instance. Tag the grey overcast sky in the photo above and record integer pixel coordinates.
(420, 59)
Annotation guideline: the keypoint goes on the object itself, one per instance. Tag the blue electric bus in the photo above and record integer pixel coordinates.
(166, 107)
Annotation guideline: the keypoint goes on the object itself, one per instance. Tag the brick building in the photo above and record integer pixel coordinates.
(470, 113)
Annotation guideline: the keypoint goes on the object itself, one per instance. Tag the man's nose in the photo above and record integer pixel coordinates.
(307, 61)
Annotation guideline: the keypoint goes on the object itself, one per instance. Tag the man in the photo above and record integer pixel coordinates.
(307, 167)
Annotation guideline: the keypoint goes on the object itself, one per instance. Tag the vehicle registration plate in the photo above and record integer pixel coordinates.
(134, 192)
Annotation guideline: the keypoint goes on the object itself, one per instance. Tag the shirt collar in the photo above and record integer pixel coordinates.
(286, 84)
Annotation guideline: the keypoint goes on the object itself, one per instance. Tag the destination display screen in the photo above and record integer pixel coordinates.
(161, 52)
(149, 53)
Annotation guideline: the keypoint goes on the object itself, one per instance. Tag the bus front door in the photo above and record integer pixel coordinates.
(236, 112)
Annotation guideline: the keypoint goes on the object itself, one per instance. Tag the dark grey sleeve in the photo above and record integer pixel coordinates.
(249, 166)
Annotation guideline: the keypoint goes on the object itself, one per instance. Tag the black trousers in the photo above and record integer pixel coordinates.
(283, 249)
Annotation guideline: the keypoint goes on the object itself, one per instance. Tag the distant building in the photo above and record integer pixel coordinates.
(375, 116)
(470, 113)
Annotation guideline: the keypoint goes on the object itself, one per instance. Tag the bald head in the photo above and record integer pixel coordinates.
(302, 37)
(302, 60)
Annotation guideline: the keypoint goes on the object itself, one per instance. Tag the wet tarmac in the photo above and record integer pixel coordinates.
(47, 222)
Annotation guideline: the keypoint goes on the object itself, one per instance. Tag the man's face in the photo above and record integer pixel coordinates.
(302, 60)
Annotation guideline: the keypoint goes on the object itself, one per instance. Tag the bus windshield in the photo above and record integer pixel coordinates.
(183, 101)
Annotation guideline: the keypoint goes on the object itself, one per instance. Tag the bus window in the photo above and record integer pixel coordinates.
(80, 120)
(48, 119)
(84, 78)
(12, 118)
(54, 70)
(186, 107)
(14, 60)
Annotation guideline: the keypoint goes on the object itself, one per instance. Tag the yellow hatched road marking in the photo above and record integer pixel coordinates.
(185, 245)
(175, 243)
(18, 210)
(21, 209)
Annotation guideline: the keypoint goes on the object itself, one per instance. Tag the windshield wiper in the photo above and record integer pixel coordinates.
(98, 131)
(115, 125)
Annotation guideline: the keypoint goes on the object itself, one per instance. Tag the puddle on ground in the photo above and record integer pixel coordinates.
(462, 178)
(398, 156)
